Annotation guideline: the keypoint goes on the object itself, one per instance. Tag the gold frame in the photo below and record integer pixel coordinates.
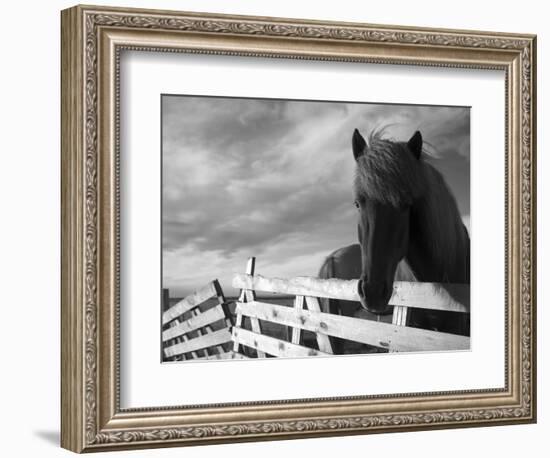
(92, 38)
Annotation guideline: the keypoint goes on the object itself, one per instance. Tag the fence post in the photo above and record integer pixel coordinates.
(249, 296)
(296, 331)
(400, 318)
(323, 340)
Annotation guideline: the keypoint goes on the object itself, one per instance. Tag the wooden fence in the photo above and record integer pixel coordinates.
(307, 316)
(193, 331)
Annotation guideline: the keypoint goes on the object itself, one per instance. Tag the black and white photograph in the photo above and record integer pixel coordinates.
(278, 228)
(297, 228)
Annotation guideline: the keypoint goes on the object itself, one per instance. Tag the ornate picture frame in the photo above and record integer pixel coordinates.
(92, 41)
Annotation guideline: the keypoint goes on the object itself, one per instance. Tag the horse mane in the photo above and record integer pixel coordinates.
(448, 240)
(390, 174)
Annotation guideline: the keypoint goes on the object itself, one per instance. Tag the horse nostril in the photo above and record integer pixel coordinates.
(362, 287)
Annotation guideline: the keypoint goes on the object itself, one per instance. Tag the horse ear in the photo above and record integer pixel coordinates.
(415, 144)
(358, 144)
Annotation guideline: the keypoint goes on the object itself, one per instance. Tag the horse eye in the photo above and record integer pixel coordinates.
(356, 203)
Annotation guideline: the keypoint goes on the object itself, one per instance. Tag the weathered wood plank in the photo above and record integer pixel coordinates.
(202, 319)
(396, 338)
(250, 270)
(184, 338)
(179, 339)
(254, 322)
(256, 327)
(225, 310)
(208, 340)
(225, 355)
(205, 330)
(400, 315)
(219, 348)
(238, 323)
(271, 345)
(189, 302)
(299, 286)
(250, 296)
(322, 339)
(296, 331)
(451, 297)
(435, 296)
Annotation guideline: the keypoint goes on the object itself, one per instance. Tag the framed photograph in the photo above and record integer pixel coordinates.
(277, 228)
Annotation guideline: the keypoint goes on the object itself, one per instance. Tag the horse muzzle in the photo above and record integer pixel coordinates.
(374, 297)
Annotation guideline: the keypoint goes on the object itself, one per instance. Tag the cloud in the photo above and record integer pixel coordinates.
(273, 179)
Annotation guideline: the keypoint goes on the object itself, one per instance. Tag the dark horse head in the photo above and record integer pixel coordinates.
(406, 212)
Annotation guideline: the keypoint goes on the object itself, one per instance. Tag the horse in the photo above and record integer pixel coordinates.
(409, 229)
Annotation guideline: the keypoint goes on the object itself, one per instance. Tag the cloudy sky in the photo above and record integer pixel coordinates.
(273, 179)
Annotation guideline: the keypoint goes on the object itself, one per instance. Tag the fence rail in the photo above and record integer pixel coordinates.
(384, 335)
(451, 297)
(211, 339)
(189, 330)
(306, 315)
(193, 300)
